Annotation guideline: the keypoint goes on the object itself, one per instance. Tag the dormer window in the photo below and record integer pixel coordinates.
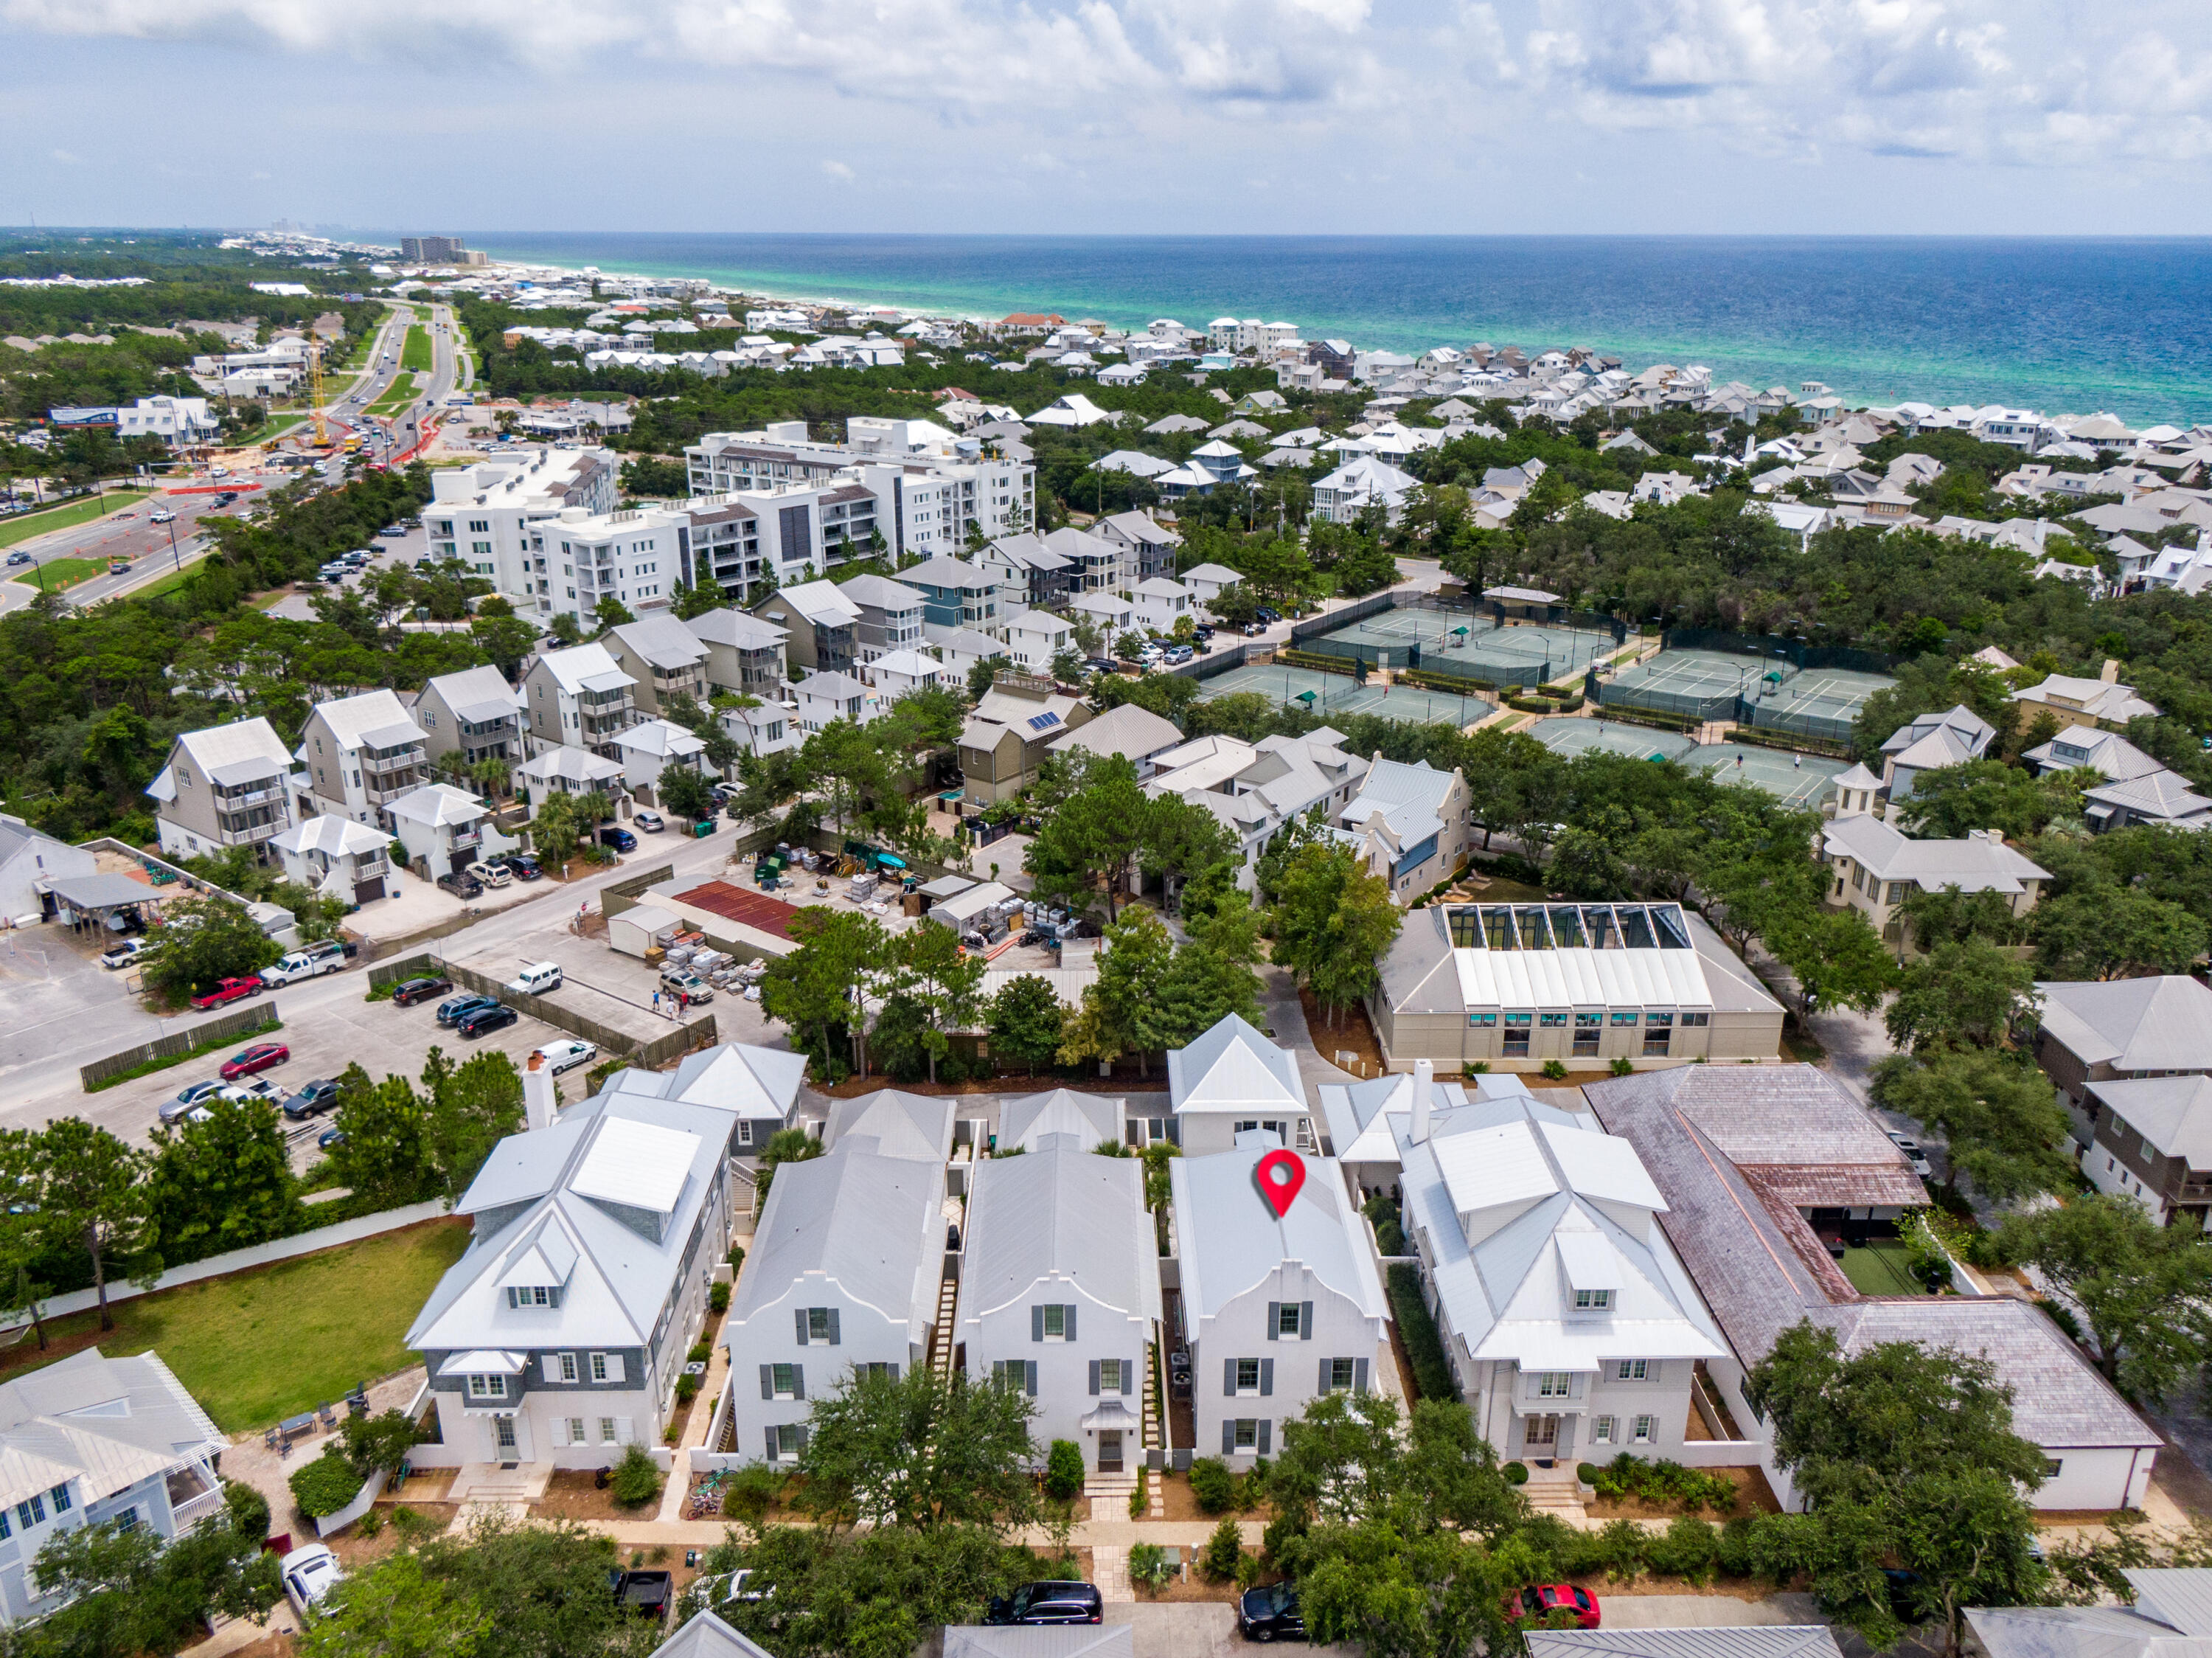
(1593, 1300)
(538, 1295)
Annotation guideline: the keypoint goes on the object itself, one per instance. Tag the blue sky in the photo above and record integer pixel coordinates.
(1374, 116)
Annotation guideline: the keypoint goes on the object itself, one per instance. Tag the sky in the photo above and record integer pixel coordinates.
(1168, 116)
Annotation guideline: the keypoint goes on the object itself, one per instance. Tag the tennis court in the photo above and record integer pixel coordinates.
(1821, 701)
(1796, 780)
(1563, 735)
(1701, 684)
(1453, 641)
(1339, 693)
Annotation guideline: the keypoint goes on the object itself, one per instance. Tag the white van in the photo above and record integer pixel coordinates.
(537, 978)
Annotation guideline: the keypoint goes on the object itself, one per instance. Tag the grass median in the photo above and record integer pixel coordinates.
(59, 574)
(68, 515)
(416, 353)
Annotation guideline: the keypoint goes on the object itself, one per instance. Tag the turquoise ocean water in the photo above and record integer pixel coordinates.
(2061, 325)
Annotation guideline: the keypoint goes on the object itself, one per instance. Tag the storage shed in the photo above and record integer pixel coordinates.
(641, 927)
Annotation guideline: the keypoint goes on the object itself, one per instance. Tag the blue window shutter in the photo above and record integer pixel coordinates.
(1274, 1319)
(1228, 1436)
(768, 1381)
(1267, 1377)
(1094, 1378)
(799, 1313)
(1305, 1321)
(834, 1334)
(1036, 1323)
(1229, 1377)
(1068, 1313)
(771, 1444)
(1323, 1387)
(1265, 1424)
(894, 1373)
(1360, 1375)
(798, 1381)
(1128, 1369)
(1032, 1378)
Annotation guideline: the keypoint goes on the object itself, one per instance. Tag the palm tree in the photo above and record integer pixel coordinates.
(492, 775)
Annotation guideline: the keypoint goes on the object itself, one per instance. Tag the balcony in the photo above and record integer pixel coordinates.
(232, 799)
(194, 1494)
(252, 835)
(383, 794)
(392, 759)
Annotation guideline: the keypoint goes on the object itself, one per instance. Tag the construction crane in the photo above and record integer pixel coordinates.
(315, 388)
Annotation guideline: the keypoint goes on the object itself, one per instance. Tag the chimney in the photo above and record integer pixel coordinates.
(536, 1095)
(1424, 1078)
(2111, 673)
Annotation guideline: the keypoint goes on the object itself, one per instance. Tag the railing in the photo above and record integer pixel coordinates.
(193, 1509)
(225, 798)
(247, 837)
(391, 759)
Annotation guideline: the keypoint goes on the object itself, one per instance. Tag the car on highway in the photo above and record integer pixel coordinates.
(523, 866)
(123, 955)
(407, 994)
(1540, 1600)
(164, 516)
(19, 557)
(248, 1061)
(620, 839)
(317, 1097)
(309, 1575)
(191, 1094)
(483, 1020)
(118, 567)
(565, 1055)
(450, 1011)
(652, 822)
(1270, 1613)
(229, 990)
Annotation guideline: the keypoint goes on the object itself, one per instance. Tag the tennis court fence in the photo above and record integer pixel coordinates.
(1799, 652)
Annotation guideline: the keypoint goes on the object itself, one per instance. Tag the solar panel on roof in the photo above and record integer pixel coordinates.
(1044, 721)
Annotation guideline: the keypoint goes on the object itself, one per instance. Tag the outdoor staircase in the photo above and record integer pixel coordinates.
(485, 1490)
(941, 1333)
(1549, 1493)
(1153, 1437)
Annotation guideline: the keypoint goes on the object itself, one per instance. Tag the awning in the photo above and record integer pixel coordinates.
(1111, 1415)
(107, 892)
(484, 1362)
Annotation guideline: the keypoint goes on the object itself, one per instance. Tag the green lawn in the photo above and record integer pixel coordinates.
(58, 575)
(256, 1347)
(172, 580)
(416, 353)
(1879, 1270)
(67, 517)
(401, 394)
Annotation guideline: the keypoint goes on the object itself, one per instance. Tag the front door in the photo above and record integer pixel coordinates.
(510, 1438)
(1109, 1450)
(1543, 1433)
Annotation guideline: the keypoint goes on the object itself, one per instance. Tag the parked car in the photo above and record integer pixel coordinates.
(333, 573)
(523, 866)
(491, 874)
(1177, 655)
(123, 955)
(482, 1021)
(643, 1593)
(309, 1574)
(1911, 1148)
(450, 1012)
(229, 990)
(393, 530)
(247, 1062)
(537, 978)
(318, 1097)
(686, 986)
(331, 1136)
(462, 884)
(193, 1094)
(652, 822)
(1541, 1600)
(1049, 1602)
(565, 1055)
(1270, 1614)
(620, 839)
(419, 989)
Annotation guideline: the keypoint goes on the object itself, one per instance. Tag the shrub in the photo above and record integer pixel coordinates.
(1390, 1235)
(1516, 1473)
(736, 1256)
(636, 1477)
(1432, 1377)
(1556, 1070)
(1735, 1549)
(1781, 1545)
(1624, 1548)
(1247, 1571)
(687, 1388)
(1476, 1067)
(1587, 1472)
(1222, 1553)
(752, 1492)
(699, 1354)
(1063, 1471)
(325, 1485)
(413, 1525)
(1149, 1564)
(1623, 1067)
(718, 1298)
(1689, 1549)
(1212, 1485)
(371, 1522)
(248, 1509)
(1140, 1499)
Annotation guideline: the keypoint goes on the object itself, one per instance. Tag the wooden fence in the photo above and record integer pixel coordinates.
(258, 1016)
(623, 894)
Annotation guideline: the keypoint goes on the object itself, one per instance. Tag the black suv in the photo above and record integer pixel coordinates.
(1049, 1602)
(419, 989)
(523, 866)
(479, 1022)
(620, 839)
(1270, 1614)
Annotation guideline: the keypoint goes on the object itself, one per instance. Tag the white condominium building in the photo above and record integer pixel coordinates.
(486, 515)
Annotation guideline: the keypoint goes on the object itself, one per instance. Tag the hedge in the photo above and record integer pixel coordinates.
(325, 1485)
(1418, 1330)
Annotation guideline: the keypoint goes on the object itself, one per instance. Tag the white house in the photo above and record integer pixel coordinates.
(1413, 824)
(30, 860)
(569, 771)
(1255, 789)
(1233, 1081)
(767, 729)
(228, 785)
(1136, 734)
(758, 1088)
(444, 829)
(1278, 1311)
(650, 748)
(842, 1275)
(1160, 602)
(579, 697)
(338, 857)
(1034, 637)
(1341, 496)
(174, 420)
(824, 697)
(1206, 582)
(1059, 1294)
(897, 672)
(961, 648)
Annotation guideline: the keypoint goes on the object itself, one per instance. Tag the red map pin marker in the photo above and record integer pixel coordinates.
(1278, 1176)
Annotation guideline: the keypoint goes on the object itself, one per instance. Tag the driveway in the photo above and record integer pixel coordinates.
(1189, 1629)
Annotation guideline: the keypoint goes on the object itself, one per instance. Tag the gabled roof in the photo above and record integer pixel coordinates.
(1738, 1641)
(881, 593)
(437, 803)
(1093, 1118)
(823, 603)
(1233, 1070)
(576, 766)
(897, 1125)
(1409, 798)
(584, 667)
(479, 695)
(376, 718)
(867, 1223)
(943, 572)
(1210, 572)
(662, 641)
(1232, 1240)
(2107, 752)
(333, 837)
(664, 738)
(1061, 1210)
(737, 629)
(1135, 527)
(912, 664)
(1136, 734)
(2163, 796)
(1977, 862)
(733, 1076)
(2173, 1115)
(112, 1421)
(1359, 1114)
(706, 1635)
(2160, 1024)
(1048, 1641)
(235, 753)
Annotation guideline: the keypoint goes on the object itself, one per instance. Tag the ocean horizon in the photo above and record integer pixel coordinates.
(2061, 324)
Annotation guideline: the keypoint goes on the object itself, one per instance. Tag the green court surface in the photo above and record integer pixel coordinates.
(1799, 780)
(1821, 701)
(1462, 643)
(1771, 691)
(1329, 694)
(1571, 736)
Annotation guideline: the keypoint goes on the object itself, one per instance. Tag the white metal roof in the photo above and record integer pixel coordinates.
(640, 1164)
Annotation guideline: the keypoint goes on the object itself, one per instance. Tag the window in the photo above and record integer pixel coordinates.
(1055, 1322)
(568, 1368)
(1631, 1370)
(1643, 1435)
(576, 1431)
(783, 1380)
(1553, 1020)
(1552, 1384)
(61, 1497)
(744, 1133)
(1112, 1378)
(1248, 1375)
(1286, 1319)
(1586, 1033)
(486, 1387)
(598, 1367)
(125, 1522)
(533, 1295)
(6, 1525)
(1246, 1436)
(1482, 1019)
(33, 1512)
(817, 1324)
(1342, 1375)
(1593, 1300)
(1601, 1431)
(1657, 1032)
(1696, 1020)
(787, 1440)
(2051, 1465)
(1620, 1019)
(606, 1430)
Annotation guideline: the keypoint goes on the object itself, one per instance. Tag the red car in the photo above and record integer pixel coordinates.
(260, 1057)
(1536, 1603)
(230, 989)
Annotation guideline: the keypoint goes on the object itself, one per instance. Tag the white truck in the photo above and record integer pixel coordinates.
(309, 961)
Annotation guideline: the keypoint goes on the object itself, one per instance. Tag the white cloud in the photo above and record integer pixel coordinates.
(65, 158)
(838, 170)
